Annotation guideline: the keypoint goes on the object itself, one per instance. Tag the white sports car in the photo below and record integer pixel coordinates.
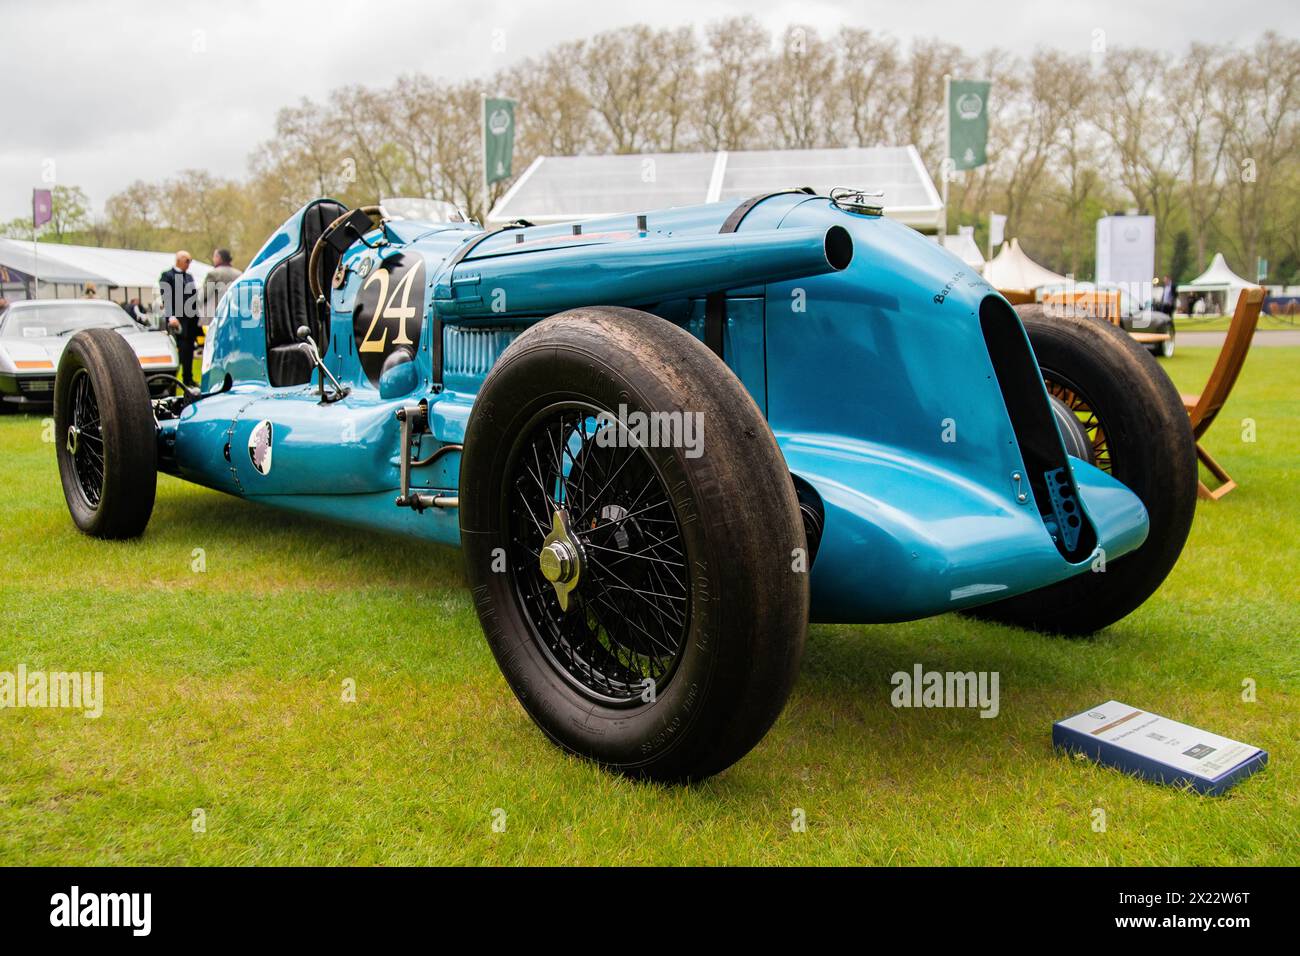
(34, 332)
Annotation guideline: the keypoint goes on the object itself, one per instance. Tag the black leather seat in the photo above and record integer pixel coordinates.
(290, 304)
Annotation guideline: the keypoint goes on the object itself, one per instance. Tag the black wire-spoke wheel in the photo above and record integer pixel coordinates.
(620, 630)
(1060, 387)
(85, 440)
(1140, 434)
(638, 591)
(105, 435)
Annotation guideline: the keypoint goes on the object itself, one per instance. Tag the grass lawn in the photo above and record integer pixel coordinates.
(1220, 323)
(223, 694)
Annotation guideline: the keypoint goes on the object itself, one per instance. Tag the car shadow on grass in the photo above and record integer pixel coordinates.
(845, 694)
(322, 550)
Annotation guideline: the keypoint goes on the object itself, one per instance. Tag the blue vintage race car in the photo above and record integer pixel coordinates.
(665, 442)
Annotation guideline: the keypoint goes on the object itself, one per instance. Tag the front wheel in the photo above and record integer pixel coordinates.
(105, 434)
(1140, 433)
(630, 533)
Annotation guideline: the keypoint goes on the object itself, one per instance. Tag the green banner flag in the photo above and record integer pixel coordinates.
(498, 138)
(968, 123)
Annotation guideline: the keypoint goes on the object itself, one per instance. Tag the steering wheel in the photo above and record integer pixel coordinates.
(314, 281)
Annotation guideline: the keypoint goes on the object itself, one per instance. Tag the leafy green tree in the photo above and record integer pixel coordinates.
(70, 213)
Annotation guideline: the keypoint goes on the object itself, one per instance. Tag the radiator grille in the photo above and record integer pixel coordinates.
(472, 351)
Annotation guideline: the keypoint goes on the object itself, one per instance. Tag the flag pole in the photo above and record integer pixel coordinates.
(482, 120)
(36, 255)
(947, 151)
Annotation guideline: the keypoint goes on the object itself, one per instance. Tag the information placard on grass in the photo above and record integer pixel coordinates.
(1157, 748)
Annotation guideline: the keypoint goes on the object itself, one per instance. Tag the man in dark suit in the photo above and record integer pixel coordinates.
(180, 307)
(1170, 297)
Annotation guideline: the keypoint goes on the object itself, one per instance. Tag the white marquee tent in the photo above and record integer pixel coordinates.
(564, 188)
(1012, 270)
(65, 271)
(1220, 281)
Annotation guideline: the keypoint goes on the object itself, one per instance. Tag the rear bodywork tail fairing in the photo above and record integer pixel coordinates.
(906, 393)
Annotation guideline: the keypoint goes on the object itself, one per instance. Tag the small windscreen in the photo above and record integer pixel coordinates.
(421, 209)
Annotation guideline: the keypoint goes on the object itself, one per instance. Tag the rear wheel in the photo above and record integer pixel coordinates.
(639, 595)
(1139, 432)
(105, 435)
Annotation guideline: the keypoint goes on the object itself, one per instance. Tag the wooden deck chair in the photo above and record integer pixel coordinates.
(1204, 408)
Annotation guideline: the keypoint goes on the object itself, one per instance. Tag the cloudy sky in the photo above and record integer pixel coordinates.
(101, 93)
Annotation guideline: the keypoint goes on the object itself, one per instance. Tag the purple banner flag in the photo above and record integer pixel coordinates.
(42, 207)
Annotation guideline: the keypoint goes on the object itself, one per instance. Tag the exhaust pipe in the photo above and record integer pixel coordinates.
(637, 271)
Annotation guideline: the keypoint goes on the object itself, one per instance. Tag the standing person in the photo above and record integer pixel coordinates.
(1170, 296)
(133, 308)
(90, 291)
(180, 308)
(216, 282)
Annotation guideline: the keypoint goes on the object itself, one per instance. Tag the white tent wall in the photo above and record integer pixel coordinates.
(65, 271)
(1012, 270)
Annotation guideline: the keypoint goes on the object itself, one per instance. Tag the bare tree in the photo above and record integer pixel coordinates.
(1080, 178)
(555, 114)
(461, 169)
(1263, 97)
(1195, 92)
(365, 122)
(679, 89)
(624, 72)
(1138, 120)
(1050, 101)
(1208, 142)
(132, 214)
(732, 49)
(921, 121)
(302, 156)
(869, 83)
(417, 130)
(796, 92)
(202, 207)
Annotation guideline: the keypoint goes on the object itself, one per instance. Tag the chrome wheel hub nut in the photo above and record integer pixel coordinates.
(560, 560)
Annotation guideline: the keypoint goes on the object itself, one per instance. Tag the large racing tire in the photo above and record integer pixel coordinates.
(1141, 434)
(105, 435)
(642, 597)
